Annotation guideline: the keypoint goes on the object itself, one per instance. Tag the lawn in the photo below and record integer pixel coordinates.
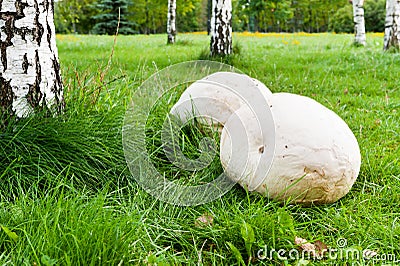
(67, 197)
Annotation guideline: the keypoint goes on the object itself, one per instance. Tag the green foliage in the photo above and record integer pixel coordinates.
(74, 16)
(374, 15)
(150, 16)
(262, 15)
(236, 253)
(12, 235)
(248, 236)
(112, 14)
(342, 21)
(375, 12)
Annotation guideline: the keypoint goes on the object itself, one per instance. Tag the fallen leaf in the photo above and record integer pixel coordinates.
(204, 220)
(346, 91)
(320, 247)
(305, 246)
(369, 254)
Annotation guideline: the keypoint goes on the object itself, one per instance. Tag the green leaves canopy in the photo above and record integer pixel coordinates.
(150, 16)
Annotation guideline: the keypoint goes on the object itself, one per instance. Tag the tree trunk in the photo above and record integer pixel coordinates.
(221, 27)
(359, 22)
(392, 25)
(171, 23)
(29, 69)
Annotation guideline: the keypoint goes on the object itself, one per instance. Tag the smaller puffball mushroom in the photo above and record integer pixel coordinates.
(316, 159)
(217, 96)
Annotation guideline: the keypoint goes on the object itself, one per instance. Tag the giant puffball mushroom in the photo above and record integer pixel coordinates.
(217, 96)
(317, 158)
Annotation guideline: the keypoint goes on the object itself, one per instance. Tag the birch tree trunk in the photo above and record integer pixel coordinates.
(359, 22)
(221, 27)
(392, 25)
(29, 68)
(171, 23)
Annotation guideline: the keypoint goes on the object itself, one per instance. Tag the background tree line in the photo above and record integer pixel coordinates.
(150, 16)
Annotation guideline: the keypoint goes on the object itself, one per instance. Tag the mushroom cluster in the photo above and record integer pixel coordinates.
(285, 146)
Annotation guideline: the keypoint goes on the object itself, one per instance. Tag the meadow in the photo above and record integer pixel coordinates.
(67, 196)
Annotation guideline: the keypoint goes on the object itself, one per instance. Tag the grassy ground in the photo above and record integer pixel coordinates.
(67, 197)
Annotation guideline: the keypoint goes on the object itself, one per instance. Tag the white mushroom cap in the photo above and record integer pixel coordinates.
(217, 96)
(247, 147)
(317, 157)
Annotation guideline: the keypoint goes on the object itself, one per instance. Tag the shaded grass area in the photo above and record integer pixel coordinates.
(67, 194)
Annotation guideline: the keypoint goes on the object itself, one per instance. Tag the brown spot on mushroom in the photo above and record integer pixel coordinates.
(261, 149)
(309, 171)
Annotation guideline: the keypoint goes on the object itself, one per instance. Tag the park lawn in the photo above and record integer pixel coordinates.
(67, 197)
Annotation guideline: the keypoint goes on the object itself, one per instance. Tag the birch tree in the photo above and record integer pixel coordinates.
(171, 22)
(29, 68)
(221, 27)
(359, 22)
(392, 25)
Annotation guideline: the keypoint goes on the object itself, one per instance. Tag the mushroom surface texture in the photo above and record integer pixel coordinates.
(217, 96)
(316, 159)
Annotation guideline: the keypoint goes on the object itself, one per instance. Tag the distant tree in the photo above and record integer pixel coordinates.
(74, 16)
(375, 15)
(112, 12)
(171, 22)
(262, 15)
(191, 15)
(29, 67)
(342, 20)
(392, 25)
(359, 22)
(221, 27)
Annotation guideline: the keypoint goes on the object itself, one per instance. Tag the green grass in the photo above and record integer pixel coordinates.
(67, 194)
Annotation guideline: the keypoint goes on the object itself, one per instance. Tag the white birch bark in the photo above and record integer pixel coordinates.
(171, 22)
(392, 25)
(359, 22)
(29, 66)
(221, 27)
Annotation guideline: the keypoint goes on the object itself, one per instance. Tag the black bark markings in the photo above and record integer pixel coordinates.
(57, 88)
(25, 64)
(19, 6)
(6, 97)
(35, 96)
(224, 47)
(49, 34)
(9, 29)
(391, 38)
(39, 27)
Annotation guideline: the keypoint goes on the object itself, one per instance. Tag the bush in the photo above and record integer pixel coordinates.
(342, 21)
(375, 12)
